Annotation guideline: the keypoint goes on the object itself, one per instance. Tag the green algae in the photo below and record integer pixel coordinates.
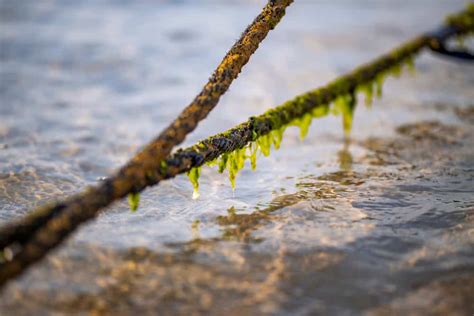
(264, 144)
(410, 64)
(304, 123)
(253, 150)
(212, 163)
(320, 111)
(134, 201)
(163, 167)
(235, 163)
(396, 70)
(367, 90)
(345, 105)
(375, 87)
(193, 175)
(311, 105)
(277, 136)
(222, 164)
(379, 81)
(463, 20)
(254, 136)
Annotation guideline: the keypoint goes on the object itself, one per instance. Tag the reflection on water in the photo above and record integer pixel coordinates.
(345, 157)
(380, 223)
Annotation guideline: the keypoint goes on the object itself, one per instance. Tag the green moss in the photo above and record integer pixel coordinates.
(193, 175)
(134, 201)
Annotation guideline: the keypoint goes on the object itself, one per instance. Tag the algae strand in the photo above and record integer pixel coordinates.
(134, 201)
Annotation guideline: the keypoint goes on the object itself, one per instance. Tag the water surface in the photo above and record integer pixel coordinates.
(383, 224)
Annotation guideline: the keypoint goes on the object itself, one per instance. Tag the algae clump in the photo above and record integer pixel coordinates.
(134, 200)
(193, 175)
(345, 105)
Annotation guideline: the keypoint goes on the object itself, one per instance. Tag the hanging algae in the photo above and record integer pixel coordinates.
(410, 63)
(253, 149)
(235, 162)
(343, 105)
(396, 70)
(346, 104)
(222, 164)
(134, 201)
(264, 143)
(193, 175)
(379, 80)
(320, 111)
(277, 136)
(303, 123)
(368, 88)
(368, 91)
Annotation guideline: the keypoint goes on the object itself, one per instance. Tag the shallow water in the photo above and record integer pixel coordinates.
(383, 224)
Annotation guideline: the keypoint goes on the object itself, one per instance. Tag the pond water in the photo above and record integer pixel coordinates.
(383, 224)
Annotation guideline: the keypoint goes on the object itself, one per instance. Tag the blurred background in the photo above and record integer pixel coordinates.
(384, 224)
